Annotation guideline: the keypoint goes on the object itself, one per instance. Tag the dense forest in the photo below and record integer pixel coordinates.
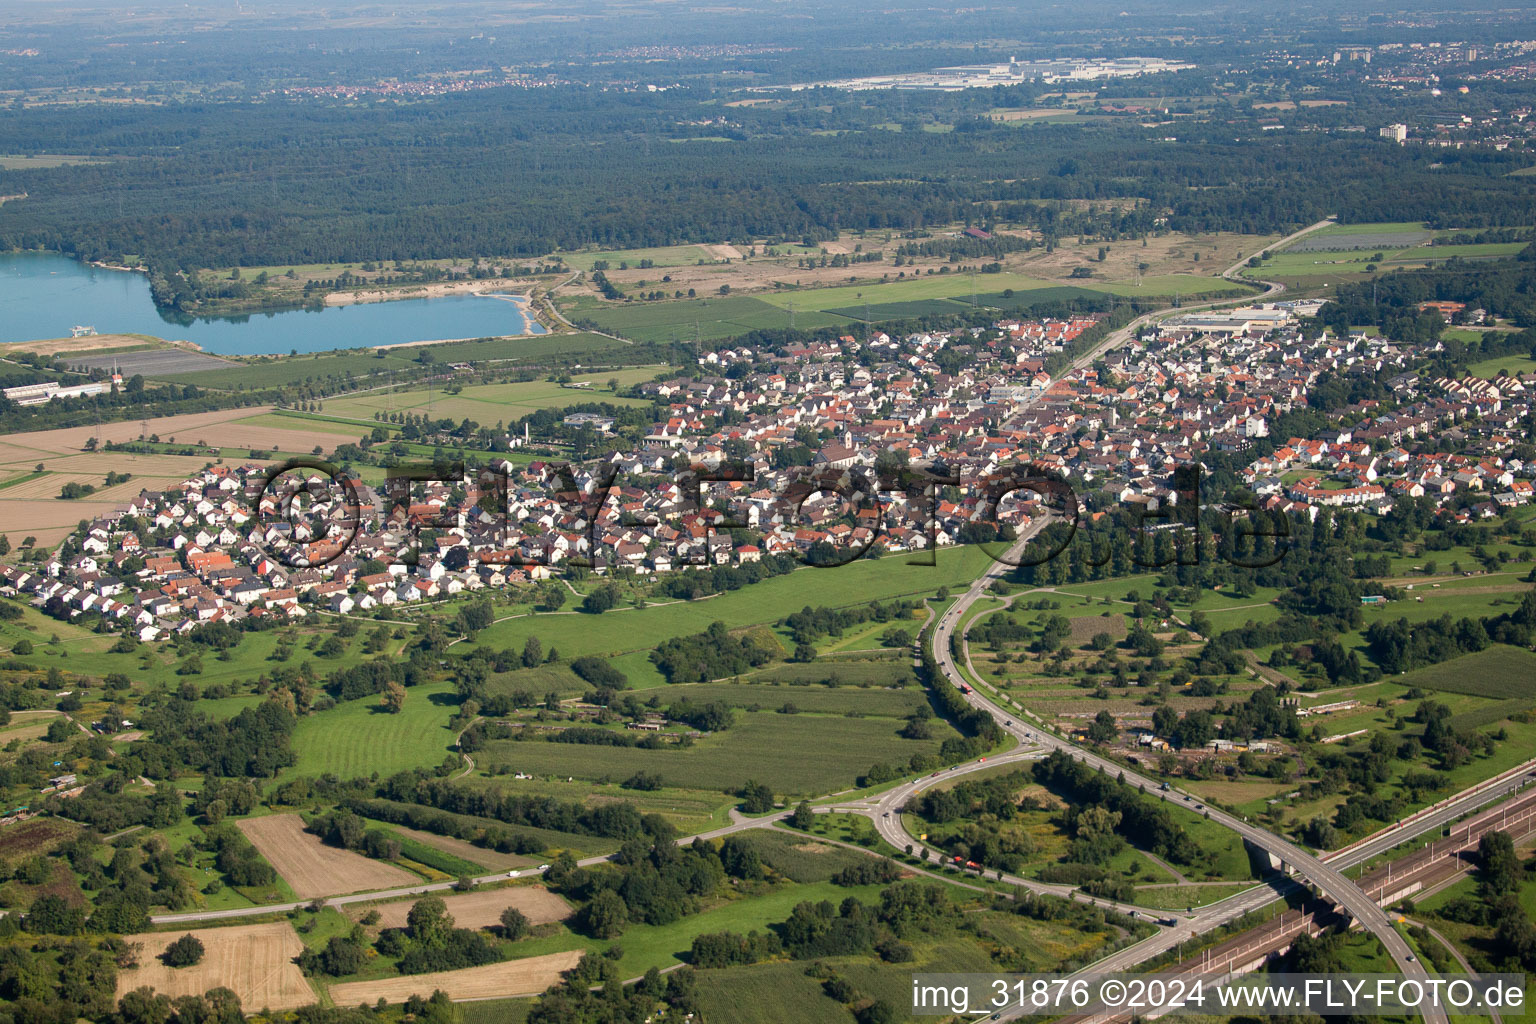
(521, 173)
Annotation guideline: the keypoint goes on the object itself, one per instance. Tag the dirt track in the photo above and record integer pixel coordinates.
(478, 909)
(493, 981)
(313, 869)
(254, 961)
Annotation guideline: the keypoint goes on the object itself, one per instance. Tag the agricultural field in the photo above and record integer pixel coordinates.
(959, 286)
(476, 909)
(489, 403)
(1343, 253)
(773, 993)
(613, 632)
(1500, 672)
(765, 270)
(767, 746)
(45, 161)
(837, 304)
(798, 857)
(525, 977)
(1340, 237)
(683, 321)
(809, 699)
(1500, 365)
(310, 867)
(30, 505)
(664, 256)
(344, 364)
(254, 961)
(483, 857)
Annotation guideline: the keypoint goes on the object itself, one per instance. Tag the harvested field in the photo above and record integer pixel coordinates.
(49, 521)
(477, 909)
(30, 503)
(1086, 627)
(70, 440)
(525, 977)
(310, 867)
(159, 362)
(255, 961)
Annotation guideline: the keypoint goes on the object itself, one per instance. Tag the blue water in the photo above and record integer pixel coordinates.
(43, 295)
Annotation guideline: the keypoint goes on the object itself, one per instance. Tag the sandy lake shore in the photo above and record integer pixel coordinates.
(428, 291)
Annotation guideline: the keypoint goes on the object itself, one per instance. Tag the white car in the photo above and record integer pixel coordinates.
(513, 874)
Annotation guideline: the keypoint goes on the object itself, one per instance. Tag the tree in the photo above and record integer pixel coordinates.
(184, 952)
(1500, 866)
(514, 924)
(601, 599)
(429, 922)
(533, 653)
(394, 698)
(756, 798)
(22, 647)
(803, 816)
(551, 597)
(1104, 728)
(604, 916)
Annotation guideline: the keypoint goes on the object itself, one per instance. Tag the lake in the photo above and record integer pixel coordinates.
(43, 295)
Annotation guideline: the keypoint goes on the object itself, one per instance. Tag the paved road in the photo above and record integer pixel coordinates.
(1327, 878)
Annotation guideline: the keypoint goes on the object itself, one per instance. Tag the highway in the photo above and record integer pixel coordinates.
(1327, 878)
